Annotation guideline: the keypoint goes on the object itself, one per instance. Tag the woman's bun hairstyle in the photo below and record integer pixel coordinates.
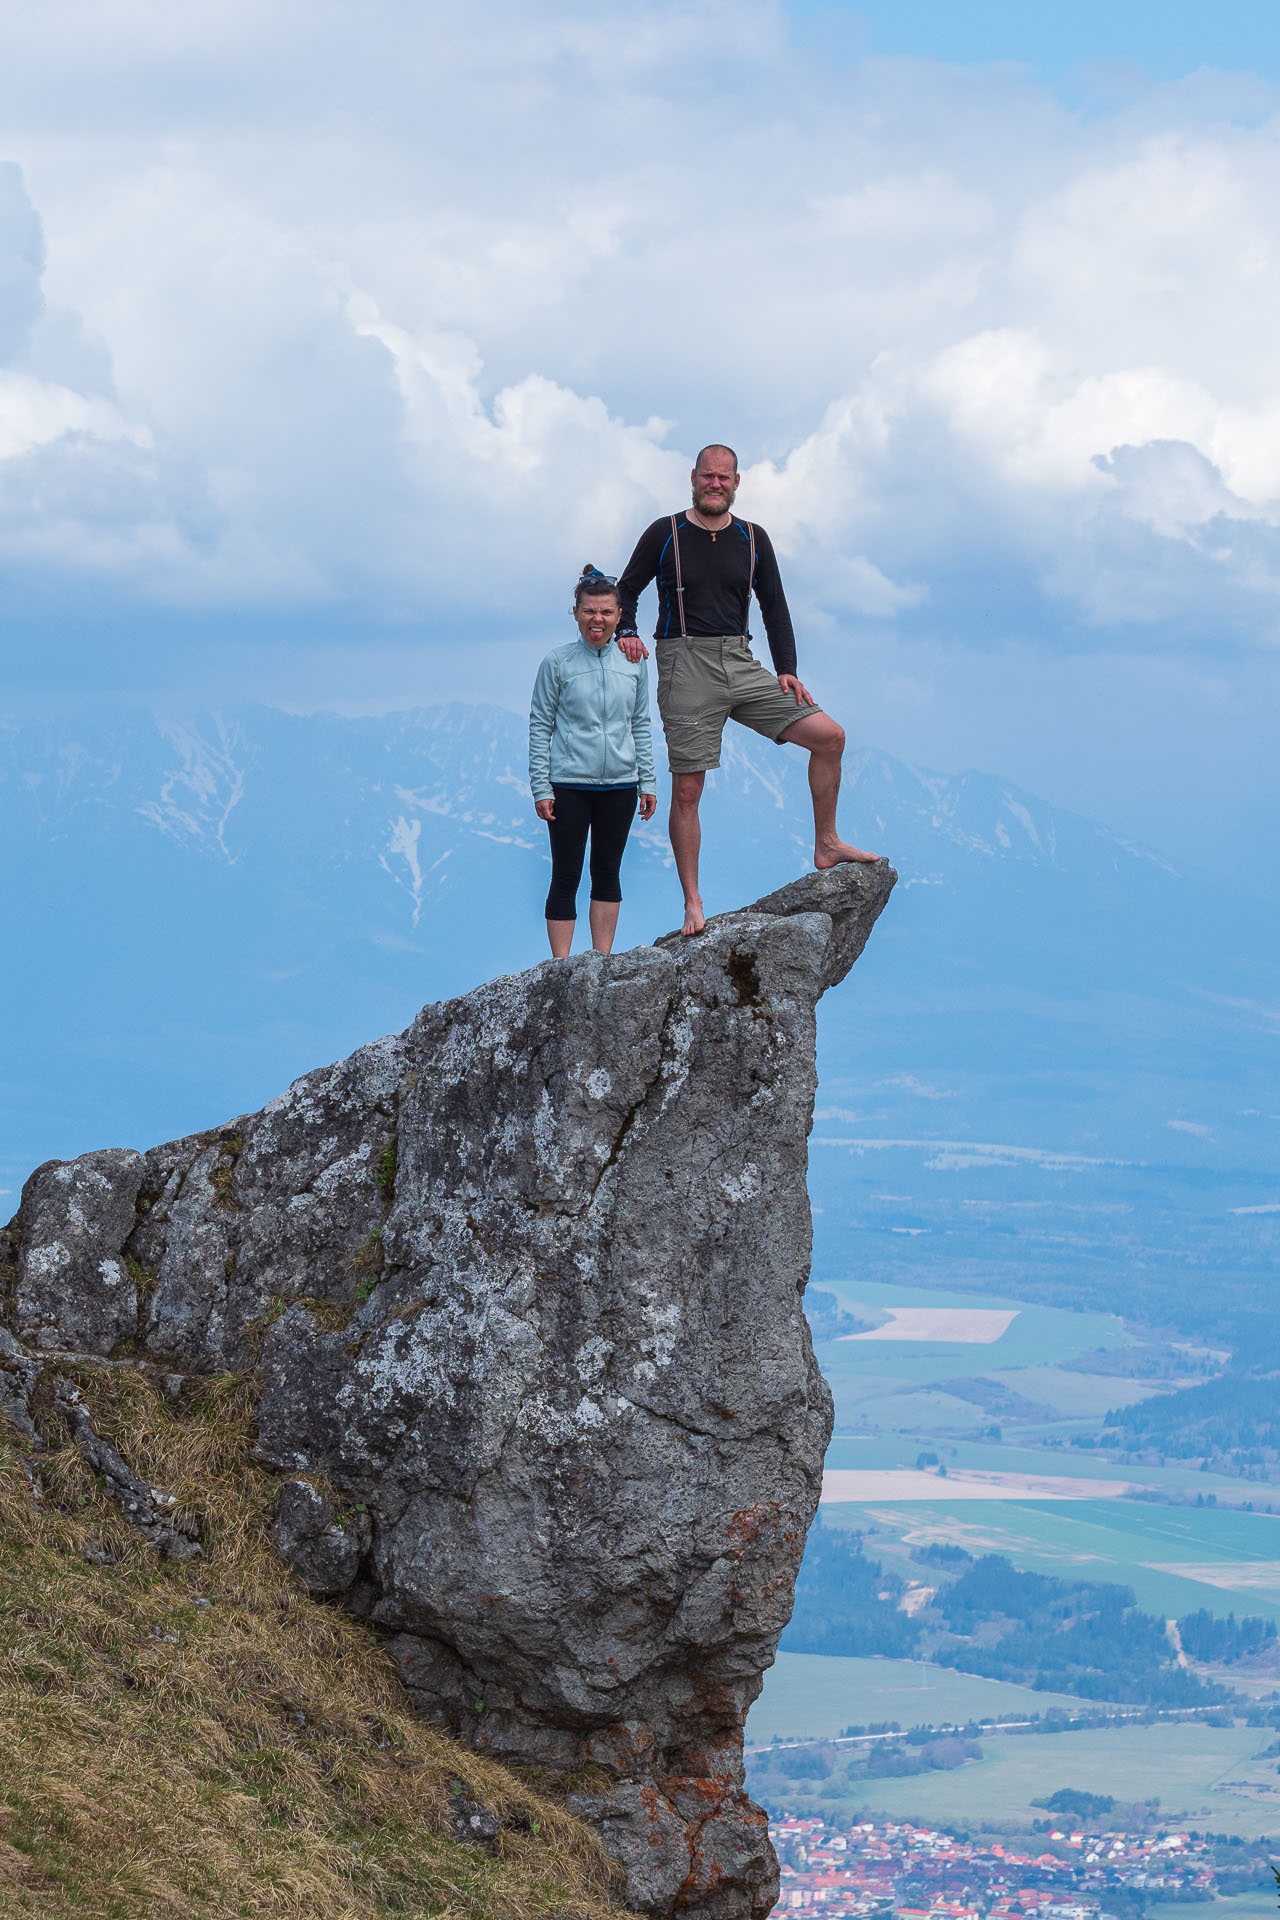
(591, 580)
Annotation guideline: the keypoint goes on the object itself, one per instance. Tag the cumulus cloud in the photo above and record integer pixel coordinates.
(34, 410)
(417, 311)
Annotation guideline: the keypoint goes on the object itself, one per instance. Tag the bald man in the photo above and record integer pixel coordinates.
(707, 563)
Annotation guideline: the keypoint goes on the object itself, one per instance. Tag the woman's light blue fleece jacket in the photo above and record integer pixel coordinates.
(589, 721)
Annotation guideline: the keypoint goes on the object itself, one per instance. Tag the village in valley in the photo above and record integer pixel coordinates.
(920, 1873)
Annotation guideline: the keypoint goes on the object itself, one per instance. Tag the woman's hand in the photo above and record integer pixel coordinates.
(545, 809)
(648, 805)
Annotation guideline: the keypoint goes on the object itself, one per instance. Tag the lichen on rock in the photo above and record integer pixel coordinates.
(573, 1401)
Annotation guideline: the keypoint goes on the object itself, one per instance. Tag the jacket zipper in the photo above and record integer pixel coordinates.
(604, 733)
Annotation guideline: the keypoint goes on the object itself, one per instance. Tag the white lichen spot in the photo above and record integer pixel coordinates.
(659, 1343)
(111, 1272)
(538, 1416)
(745, 1186)
(599, 1084)
(340, 1173)
(588, 1414)
(675, 1069)
(43, 1262)
(592, 1358)
(544, 1132)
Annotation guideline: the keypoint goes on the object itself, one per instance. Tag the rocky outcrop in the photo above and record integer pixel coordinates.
(521, 1289)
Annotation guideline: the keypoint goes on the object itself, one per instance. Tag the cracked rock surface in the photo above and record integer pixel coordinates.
(522, 1290)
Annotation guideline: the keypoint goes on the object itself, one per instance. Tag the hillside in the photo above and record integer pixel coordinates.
(200, 1737)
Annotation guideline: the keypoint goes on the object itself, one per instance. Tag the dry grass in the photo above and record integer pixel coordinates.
(251, 1756)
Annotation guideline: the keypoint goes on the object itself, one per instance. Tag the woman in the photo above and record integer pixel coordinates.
(589, 753)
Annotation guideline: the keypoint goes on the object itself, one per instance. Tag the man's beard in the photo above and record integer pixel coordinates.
(711, 505)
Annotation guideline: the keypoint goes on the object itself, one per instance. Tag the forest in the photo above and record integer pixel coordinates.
(1232, 1422)
(1081, 1637)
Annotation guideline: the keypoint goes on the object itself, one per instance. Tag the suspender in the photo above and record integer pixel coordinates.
(675, 542)
(751, 571)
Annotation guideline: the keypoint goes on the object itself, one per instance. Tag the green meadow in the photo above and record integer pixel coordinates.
(1037, 1334)
(816, 1695)
(893, 1382)
(1020, 1454)
(1209, 1778)
(1260, 1905)
(1175, 1558)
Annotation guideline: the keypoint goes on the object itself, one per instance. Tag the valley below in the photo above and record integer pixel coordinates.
(974, 1430)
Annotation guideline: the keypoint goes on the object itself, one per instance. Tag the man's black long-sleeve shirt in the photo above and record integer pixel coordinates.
(717, 592)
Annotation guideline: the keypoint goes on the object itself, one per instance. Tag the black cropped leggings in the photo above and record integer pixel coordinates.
(606, 814)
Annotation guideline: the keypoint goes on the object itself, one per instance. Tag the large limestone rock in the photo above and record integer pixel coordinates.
(522, 1289)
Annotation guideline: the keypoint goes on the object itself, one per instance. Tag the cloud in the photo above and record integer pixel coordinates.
(36, 411)
(358, 299)
(952, 1156)
(921, 1088)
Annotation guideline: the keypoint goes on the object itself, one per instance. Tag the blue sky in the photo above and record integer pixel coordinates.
(333, 343)
(1166, 39)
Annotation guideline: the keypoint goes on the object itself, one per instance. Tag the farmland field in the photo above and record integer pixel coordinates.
(1259, 1905)
(818, 1695)
(894, 1375)
(900, 1449)
(1175, 1558)
(1204, 1777)
(976, 1326)
(1026, 1336)
(860, 1485)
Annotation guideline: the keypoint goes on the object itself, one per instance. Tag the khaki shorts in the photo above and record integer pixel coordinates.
(703, 682)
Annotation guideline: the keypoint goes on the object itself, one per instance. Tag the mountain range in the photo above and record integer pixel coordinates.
(1055, 1067)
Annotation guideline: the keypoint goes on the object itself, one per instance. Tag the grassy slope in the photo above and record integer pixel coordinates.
(249, 1757)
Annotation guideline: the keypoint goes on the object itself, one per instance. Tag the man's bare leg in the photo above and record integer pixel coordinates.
(560, 934)
(685, 830)
(604, 924)
(823, 738)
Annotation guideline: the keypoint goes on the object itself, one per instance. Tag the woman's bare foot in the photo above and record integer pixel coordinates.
(694, 918)
(834, 853)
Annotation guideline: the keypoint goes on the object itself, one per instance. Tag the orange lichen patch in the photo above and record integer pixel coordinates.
(746, 1526)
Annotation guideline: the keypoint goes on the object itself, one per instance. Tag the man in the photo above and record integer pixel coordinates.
(707, 562)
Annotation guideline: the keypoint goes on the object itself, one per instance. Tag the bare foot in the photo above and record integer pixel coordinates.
(836, 852)
(694, 918)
